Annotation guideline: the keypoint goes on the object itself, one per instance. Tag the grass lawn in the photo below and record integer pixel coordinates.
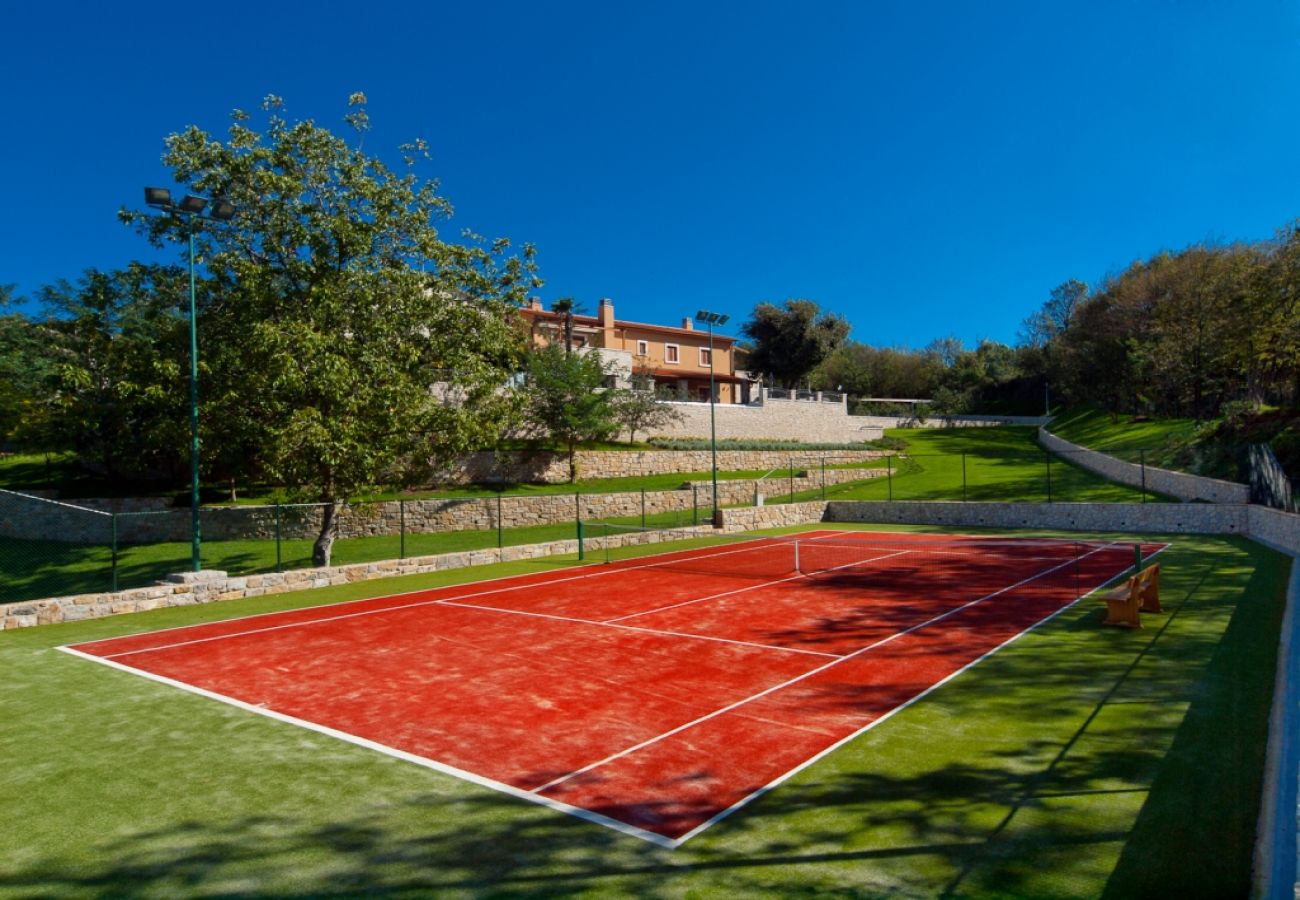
(1003, 464)
(1164, 443)
(1076, 762)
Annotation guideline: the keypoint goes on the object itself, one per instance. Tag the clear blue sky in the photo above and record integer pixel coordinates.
(924, 169)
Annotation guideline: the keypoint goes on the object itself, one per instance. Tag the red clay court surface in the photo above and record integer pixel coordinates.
(650, 699)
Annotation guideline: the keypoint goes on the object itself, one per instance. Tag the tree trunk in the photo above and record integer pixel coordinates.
(573, 463)
(329, 532)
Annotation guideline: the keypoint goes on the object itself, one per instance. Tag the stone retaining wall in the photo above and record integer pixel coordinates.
(1161, 481)
(1275, 527)
(790, 420)
(934, 421)
(779, 516)
(520, 467)
(1156, 518)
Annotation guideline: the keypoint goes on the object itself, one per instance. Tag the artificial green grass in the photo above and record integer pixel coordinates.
(1076, 762)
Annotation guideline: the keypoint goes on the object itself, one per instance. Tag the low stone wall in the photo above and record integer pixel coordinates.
(1156, 518)
(519, 467)
(952, 421)
(1161, 481)
(1275, 527)
(778, 516)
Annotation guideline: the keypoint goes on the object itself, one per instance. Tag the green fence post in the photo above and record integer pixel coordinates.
(1142, 456)
(113, 522)
(695, 505)
(792, 479)
(1137, 558)
(500, 532)
(889, 475)
(582, 549)
(823, 478)
(577, 508)
(1048, 456)
(401, 528)
(963, 476)
(279, 560)
(643, 507)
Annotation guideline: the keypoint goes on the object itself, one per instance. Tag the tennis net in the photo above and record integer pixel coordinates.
(842, 555)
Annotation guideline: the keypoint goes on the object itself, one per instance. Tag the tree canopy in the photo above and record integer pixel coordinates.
(790, 340)
(568, 399)
(347, 343)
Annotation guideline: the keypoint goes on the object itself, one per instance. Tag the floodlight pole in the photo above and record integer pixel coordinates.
(189, 209)
(711, 319)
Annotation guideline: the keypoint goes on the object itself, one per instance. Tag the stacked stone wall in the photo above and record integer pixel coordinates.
(1155, 518)
(1161, 481)
(814, 421)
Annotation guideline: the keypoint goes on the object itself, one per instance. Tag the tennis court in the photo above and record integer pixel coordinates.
(653, 695)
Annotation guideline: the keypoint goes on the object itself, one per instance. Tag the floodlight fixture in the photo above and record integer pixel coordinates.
(157, 197)
(192, 205)
(222, 210)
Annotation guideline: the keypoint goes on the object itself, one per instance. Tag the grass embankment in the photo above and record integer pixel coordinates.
(1076, 762)
(1000, 465)
(1176, 444)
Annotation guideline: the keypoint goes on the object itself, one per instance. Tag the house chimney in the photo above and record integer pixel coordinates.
(687, 323)
(535, 303)
(606, 313)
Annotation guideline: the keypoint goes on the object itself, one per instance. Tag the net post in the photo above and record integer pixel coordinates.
(401, 528)
(279, 559)
(501, 540)
(797, 567)
(582, 550)
(113, 562)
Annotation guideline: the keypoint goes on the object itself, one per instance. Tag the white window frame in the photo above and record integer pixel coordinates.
(642, 348)
(673, 350)
(706, 358)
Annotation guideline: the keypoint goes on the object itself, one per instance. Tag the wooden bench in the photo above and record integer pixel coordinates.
(1139, 594)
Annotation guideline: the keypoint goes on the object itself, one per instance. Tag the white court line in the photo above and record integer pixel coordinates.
(505, 611)
(444, 768)
(798, 678)
(795, 577)
(603, 570)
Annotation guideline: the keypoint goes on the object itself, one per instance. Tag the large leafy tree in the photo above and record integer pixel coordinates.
(568, 399)
(24, 364)
(349, 344)
(790, 340)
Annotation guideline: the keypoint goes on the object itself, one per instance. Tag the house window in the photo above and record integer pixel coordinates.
(642, 348)
(706, 358)
(672, 353)
(611, 381)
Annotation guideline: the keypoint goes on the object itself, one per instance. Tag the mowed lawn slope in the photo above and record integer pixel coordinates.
(1078, 761)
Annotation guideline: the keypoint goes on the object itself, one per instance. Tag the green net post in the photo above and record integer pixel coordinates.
(401, 528)
(889, 475)
(1142, 463)
(582, 549)
(1137, 558)
(113, 552)
(963, 476)
(501, 537)
(279, 559)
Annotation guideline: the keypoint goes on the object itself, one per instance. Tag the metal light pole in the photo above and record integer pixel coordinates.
(711, 319)
(191, 208)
